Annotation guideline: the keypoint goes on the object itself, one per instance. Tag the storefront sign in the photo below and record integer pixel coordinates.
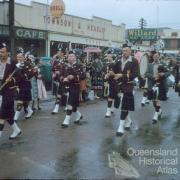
(30, 34)
(67, 23)
(142, 34)
(4, 30)
(57, 8)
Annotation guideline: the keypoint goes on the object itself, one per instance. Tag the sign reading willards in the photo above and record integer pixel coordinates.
(142, 34)
(57, 8)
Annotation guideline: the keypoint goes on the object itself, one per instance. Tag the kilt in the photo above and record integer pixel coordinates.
(162, 95)
(117, 101)
(73, 98)
(141, 82)
(113, 90)
(7, 107)
(24, 95)
(55, 88)
(60, 89)
(128, 102)
(151, 95)
(177, 88)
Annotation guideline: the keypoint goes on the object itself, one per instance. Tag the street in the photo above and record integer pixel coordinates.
(91, 150)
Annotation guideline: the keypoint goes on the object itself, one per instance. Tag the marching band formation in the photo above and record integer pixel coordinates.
(21, 82)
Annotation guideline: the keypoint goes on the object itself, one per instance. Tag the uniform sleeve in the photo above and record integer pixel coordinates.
(149, 74)
(78, 74)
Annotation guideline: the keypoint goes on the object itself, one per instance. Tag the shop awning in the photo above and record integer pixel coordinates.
(92, 50)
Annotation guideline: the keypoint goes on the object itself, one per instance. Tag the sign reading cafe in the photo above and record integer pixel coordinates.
(23, 33)
(30, 34)
(142, 34)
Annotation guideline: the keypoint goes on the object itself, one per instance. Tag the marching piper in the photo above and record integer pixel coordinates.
(23, 82)
(58, 65)
(7, 69)
(156, 74)
(73, 73)
(125, 71)
(144, 80)
(110, 85)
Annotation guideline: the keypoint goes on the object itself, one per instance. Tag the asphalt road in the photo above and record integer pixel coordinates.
(92, 150)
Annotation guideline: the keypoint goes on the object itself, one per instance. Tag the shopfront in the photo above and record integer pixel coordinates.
(26, 38)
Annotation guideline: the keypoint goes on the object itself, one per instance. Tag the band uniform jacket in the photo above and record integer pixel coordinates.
(113, 84)
(130, 72)
(8, 93)
(74, 85)
(126, 82)
(162, 82)
(23, 82)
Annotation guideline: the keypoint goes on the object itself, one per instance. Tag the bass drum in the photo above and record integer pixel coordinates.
(143, 65)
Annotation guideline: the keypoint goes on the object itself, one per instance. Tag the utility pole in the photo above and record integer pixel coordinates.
(142, 23)
(157, 22)
(11, 28)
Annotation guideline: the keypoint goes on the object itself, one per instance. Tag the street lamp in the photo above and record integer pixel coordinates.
(11, 28)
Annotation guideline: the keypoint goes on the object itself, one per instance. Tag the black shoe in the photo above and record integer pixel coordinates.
(159, 116)
(127, 128)
(64, 126)
(53, 113)
(28, 117)
(142, 104)
(107, 116)
(11, 138)
(119, 134)
(78, 121)
(154, 121)
(39, 108)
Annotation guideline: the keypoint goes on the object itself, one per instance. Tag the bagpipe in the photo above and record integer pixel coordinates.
(27, 67)
(107, 78)
(70, 70)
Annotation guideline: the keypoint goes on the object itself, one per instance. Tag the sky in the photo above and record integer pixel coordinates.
(157, 13)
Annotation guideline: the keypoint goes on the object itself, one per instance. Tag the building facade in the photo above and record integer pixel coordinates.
(171, 38)
(34, 24)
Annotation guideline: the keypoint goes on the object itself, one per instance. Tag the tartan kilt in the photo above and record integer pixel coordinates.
(151, 95)
(7, 107)
(142, 82)
(60, 89)
(113, 90)
(73, 98)
(24, 95)
(128, 102)
(162, 96)
(54, 88)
